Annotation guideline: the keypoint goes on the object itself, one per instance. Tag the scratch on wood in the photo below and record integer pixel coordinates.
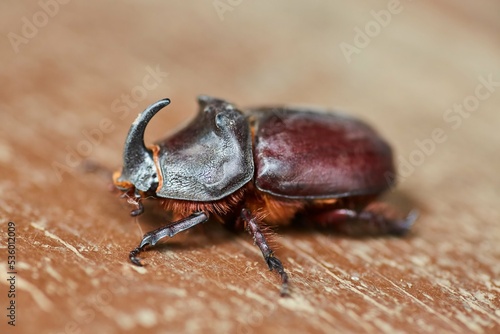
(52, 272)
(469, 299)
(146, 318)
(252, 295)
(38, 296)
(422, 304)
(344, 282)
(140, 270)
(299, 304)
(463, 296)
(55, 237)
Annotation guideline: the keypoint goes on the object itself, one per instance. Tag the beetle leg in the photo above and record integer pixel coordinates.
(139, 211)
(260, 240)
(135, 200)
(151, 238)
(378, 222)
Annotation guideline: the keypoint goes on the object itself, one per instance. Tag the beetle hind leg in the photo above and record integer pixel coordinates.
(260, 240)
(151, 238)
(373, 221)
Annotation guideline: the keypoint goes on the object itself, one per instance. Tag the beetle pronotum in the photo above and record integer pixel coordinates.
(261, 166)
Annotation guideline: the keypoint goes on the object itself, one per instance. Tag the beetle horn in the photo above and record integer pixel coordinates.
(135, 138)
(138, 165)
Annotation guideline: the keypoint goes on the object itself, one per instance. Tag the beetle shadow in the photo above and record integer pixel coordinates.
(213, 233)
(199, 237)
(402, 202)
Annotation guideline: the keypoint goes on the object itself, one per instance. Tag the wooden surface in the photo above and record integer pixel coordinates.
(71, 75)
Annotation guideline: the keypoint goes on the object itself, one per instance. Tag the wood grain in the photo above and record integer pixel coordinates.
(77, 80)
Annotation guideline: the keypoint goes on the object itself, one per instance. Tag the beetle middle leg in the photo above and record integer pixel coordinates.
(260, 240)
(151, 238)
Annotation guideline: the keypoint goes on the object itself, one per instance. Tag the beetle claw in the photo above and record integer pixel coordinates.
(275, 264)
(147, 240)
(133, 257)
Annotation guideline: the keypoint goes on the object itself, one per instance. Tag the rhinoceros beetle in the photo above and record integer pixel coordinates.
(259, 167)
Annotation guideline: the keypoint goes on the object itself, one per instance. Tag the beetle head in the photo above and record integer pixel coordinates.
(139, 169)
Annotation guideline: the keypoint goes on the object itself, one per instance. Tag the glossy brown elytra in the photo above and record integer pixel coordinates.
(259, 166)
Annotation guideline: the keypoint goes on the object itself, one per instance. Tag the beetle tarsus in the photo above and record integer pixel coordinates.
(275, 264)
(384, 225)
(139, 211)
(133, 256)
(151, 238)
(403, 226)
(261, 242)
(148, 239)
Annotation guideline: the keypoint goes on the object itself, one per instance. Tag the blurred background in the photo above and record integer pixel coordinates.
(75, 74)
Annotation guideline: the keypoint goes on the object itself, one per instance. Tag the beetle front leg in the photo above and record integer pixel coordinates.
(139, 211)
(151, 238)
(136, 200)
(260, 240)
(378, 222)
